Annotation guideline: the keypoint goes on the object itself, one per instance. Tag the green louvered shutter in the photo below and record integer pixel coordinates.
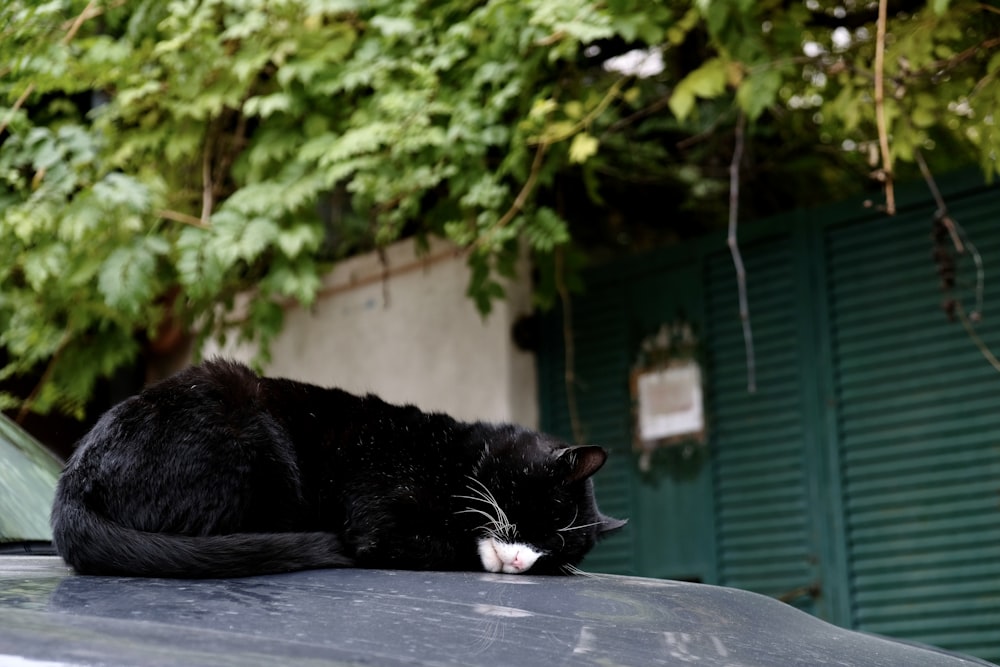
(602, 398)
(757, 439)
(919, 432)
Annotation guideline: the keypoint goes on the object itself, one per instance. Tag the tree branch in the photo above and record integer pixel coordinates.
(591, 116)
(883, 132)
(948, 63)
(177, 216)
(522, 197)
(955, 232)
(87, 13)
(543, 146)
(734, 249)
(653, 107)
(971, 331)
(529, 185)
(207, 186)
(569, 349)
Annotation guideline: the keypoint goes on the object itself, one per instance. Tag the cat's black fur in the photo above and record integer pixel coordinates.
(218, 472)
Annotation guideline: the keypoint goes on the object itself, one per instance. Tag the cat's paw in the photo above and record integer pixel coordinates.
(510, 558)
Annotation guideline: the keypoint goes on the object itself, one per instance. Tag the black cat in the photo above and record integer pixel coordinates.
(218, 472)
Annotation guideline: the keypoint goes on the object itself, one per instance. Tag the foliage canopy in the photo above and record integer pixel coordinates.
(163, 157)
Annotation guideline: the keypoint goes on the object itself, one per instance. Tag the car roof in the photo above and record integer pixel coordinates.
(353, 616)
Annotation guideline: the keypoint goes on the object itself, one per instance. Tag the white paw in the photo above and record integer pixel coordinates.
(511, 558)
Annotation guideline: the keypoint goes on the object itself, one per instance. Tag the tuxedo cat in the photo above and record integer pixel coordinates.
(218, 472)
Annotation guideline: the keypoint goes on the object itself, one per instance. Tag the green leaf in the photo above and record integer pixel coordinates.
(127, 279)
(546, 230)
(393, 26)
(117, 189)
(482, 288)
(298, 239)
(267, 105)
(299, 280)
(44, 264)
(925, 110)
(758, 91)
(707, 81)
(582, 148)
(681, 102)
(199, 270)
(940, 6)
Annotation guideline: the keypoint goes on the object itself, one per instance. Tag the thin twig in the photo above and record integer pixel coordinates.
(522, 197)
(880, 122)
(936, 67)
(962, 244)
(977, 314)
(931, 183)
(569, 349)
(958, 236)
(969, 329)
(17, 105)
(654, 107)
(95, 11)
(207, 187)
(734, 249)
(529, 185)
(942, 210)
(177, 216)
(75, 27)
(708, 132)
(543, 146)
(591, 116)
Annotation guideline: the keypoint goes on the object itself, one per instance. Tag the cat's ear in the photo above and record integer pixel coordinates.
(611, 524)
(581, 462)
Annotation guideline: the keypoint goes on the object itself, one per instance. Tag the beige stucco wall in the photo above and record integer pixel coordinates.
(406, 331)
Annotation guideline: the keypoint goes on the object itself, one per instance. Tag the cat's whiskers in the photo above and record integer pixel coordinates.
(487, 496)
(575, 571)
(583, 525)
(492, 527)
(472, 510)
(498, 526)
(576, 513)
(570, 526)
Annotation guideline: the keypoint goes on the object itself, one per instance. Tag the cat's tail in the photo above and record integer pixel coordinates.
(92, 544)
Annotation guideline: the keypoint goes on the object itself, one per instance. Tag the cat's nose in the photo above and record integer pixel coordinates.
(519, 558)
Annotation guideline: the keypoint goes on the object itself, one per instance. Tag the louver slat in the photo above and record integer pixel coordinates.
(602, 405)
(756, 439)
(919, 431)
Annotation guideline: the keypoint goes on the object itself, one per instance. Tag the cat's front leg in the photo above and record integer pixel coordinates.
(407, 536)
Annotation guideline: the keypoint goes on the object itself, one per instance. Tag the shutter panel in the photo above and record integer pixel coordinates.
(919, 432)
(601, 367)
(757, 439)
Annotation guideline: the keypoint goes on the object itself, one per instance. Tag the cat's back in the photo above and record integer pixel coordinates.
(216, 385)
(197, 400)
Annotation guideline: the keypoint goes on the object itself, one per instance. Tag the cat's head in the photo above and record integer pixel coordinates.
(531, 504)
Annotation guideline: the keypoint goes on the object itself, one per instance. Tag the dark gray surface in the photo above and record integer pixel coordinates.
(408, 618)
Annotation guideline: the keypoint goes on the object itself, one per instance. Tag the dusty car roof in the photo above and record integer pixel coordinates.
(347, 617)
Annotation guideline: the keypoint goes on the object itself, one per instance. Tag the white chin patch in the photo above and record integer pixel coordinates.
(512, 558)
